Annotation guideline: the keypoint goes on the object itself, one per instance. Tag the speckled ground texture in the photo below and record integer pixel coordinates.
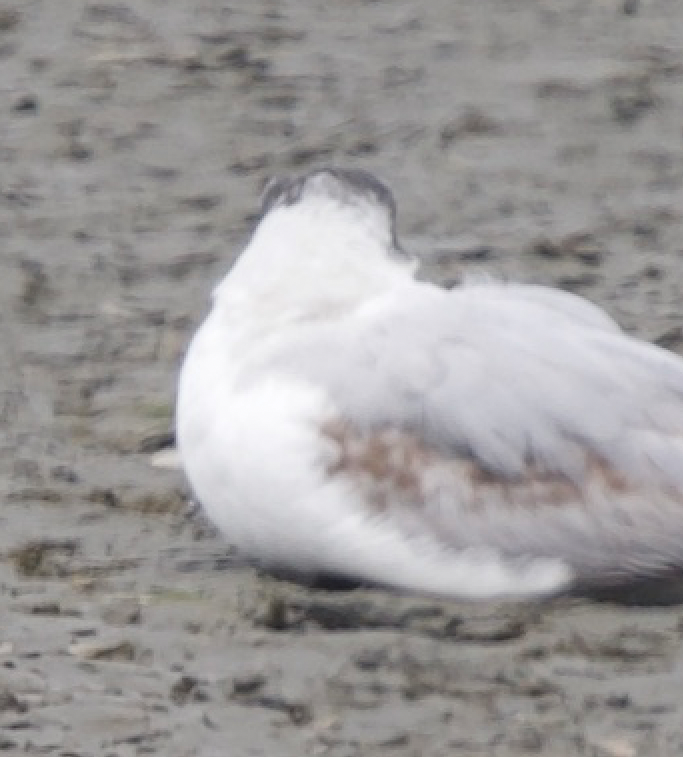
(537, 139)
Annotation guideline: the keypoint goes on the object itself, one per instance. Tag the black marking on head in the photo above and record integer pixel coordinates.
(344, 184)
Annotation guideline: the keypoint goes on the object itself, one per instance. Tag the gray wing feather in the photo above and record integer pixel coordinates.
(581, 311)
(514, 384)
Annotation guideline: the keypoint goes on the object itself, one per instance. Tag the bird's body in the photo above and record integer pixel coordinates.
(337, 417)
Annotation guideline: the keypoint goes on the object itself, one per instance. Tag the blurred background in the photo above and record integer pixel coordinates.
(541, 140)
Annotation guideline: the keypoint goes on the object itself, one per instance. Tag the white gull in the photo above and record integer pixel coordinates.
(338, 418)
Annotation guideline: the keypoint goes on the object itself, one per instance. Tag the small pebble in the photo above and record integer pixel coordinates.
(25, 104)
(122, 651)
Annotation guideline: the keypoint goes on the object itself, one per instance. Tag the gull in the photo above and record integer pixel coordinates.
(340, 420)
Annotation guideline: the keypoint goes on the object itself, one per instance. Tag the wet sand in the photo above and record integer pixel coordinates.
(542, 141)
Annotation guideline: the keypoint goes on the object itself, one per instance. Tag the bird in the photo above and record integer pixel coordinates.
(340, 420)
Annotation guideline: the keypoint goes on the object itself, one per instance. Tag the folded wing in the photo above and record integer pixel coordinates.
(507, 421)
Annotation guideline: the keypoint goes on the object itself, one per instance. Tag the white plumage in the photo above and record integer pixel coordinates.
(336, 417)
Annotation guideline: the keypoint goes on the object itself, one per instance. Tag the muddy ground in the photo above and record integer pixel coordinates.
(542, 140)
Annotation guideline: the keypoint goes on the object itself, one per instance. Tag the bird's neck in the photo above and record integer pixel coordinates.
(302, 269)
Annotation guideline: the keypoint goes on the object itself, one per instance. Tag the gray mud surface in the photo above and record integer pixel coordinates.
(542, 140)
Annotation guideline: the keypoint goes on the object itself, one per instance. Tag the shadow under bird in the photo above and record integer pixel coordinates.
(338, 419)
